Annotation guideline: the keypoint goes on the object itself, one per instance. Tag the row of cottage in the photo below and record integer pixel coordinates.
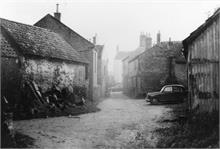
(193, 62)
(149, 68)
(50, 54)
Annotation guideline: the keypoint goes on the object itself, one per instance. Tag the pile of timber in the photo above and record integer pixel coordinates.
(54, 102)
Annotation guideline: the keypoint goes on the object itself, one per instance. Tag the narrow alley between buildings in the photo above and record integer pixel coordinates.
(121, 123)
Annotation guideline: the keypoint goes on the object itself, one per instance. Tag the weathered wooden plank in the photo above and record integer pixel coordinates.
(207, 47)
(203, 65)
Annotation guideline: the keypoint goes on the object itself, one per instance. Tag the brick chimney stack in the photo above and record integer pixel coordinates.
(57, 15)
(94, 39)
(158, 37)
(148, 41)
(142, 39)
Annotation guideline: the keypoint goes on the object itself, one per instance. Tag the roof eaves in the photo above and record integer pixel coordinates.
(55, 58)
(11, 40)
(18, 47)
(134, 58)
(198, 31)
(125, 58)
(49, 15)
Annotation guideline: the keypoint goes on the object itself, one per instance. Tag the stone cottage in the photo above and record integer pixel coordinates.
(40, 55)
(162, 64)
(145, 42)
(202, 51)
(79, 43)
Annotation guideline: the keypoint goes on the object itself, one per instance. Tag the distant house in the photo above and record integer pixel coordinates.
(39, 55)
(117, 66)
(130, 64)
(201, 50)
(162, 64)
(82, 46)
(145, 42)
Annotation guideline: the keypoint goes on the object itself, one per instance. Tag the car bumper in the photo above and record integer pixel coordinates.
(147, 99)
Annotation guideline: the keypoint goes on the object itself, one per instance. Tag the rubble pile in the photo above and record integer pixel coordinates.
(7, 130)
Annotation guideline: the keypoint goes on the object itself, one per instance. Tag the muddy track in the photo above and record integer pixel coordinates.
(121, 123)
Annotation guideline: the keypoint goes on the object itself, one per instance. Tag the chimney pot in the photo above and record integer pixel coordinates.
(57, 15)
(94, 40)
(142, 40)
(158, 37)
(57, 8)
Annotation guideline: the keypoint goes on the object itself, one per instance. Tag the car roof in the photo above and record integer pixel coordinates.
(175, 85)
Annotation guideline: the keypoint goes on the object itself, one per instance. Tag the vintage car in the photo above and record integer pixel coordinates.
(168, 93)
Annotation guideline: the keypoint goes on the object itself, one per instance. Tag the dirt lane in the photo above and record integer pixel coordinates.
(121, 123)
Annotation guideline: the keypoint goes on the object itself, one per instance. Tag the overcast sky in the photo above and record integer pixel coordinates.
(117, 22)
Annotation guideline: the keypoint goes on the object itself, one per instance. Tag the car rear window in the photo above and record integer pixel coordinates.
(177, 89)
(168, 89)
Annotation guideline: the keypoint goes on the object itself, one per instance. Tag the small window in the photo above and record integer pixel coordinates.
(168, 89)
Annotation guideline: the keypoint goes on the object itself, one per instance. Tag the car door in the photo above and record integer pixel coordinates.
(167, 94)
(178, 93)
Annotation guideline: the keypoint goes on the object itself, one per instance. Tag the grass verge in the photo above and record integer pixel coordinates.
(189, 130)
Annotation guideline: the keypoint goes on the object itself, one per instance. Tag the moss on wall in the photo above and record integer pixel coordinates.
(43, 72)
(46, 74)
